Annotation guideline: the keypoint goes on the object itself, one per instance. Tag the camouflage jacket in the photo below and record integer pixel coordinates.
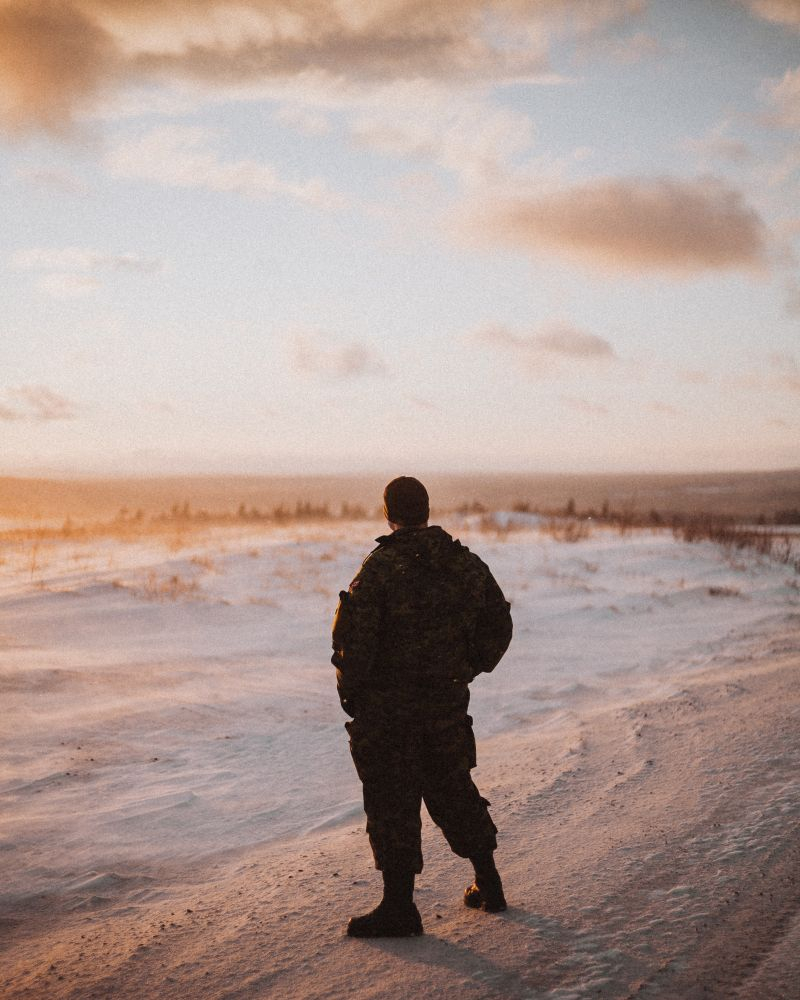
(422, 617)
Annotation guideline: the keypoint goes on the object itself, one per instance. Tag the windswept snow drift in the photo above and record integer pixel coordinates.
(161, 705)
(171, 737)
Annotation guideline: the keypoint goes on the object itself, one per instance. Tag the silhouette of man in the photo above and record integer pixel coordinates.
(421, 619)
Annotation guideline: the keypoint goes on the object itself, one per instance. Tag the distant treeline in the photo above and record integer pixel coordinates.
(92, 500)
(303, 510)
(630, 516)
(622, 518)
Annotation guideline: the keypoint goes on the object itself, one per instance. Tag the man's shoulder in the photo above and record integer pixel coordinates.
(449, 554)
(374, 567)
(471, 559)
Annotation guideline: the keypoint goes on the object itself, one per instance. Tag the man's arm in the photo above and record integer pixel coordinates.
(356, 628)
(493, 628)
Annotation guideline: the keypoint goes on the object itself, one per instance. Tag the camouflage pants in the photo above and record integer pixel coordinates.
(403, 762)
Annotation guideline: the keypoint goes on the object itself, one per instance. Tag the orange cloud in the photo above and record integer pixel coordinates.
(313, 354)
(786, 372)
(183, 156)
(38, 403)
(585, 406)
(53, 57)
(663, 409)
(631, 225)
(71, 259)
(718, 145)
(56, 55)
(777, 11)
(785, 95)
(555, 347)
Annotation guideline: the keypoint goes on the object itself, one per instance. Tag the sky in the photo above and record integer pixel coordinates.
(341, 236)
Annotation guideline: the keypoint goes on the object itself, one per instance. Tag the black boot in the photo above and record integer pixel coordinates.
(486, 892)
(395, 915)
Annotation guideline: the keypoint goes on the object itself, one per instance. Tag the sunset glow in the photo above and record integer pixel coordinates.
(349, 236)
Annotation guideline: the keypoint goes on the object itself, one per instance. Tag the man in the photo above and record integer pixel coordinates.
(421, 619)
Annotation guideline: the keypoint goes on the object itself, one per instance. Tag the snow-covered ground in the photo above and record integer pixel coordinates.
(164, 703)
(170, 699)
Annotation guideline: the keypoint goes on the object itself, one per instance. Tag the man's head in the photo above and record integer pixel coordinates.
(405, 502)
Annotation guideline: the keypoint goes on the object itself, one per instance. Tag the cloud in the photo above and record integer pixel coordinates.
(71, 272)
(36, 403)
(58, 56)
(784, 94)
(315, 354)
(716, 144)
(778, 372)
(181, 156)
(555, 348)
(303, 120)
(67, 286)
(663, 409)
(423, 403)
(786, 372)
(693, 376)
(785, 12)
(54, 180)
(53, 58)
(82, 259)
(585, 406)
(678, 227)
(471, 138)
(6, 413)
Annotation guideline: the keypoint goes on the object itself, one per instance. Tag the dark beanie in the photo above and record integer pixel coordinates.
(405, 501)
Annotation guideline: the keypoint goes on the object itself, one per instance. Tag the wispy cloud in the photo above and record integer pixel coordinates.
(36, 403)
(718, 144)
(556, 347)
(72, 272)
(183, 156)
(786, 372)
(304, 120)
(585, 406)
(471, 138)
(67, 286)
(678, 227)
(316, 354)
(786, 12)
(422, 403)
(61, 181)
(662, 409)
(693, 376)
(784, 95)
(83, 259)
(58, 56)
(777, 372)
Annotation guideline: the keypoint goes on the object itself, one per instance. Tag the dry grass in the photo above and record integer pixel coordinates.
(204, 562)
(566, 529)
(770, 543)
(169, 588)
